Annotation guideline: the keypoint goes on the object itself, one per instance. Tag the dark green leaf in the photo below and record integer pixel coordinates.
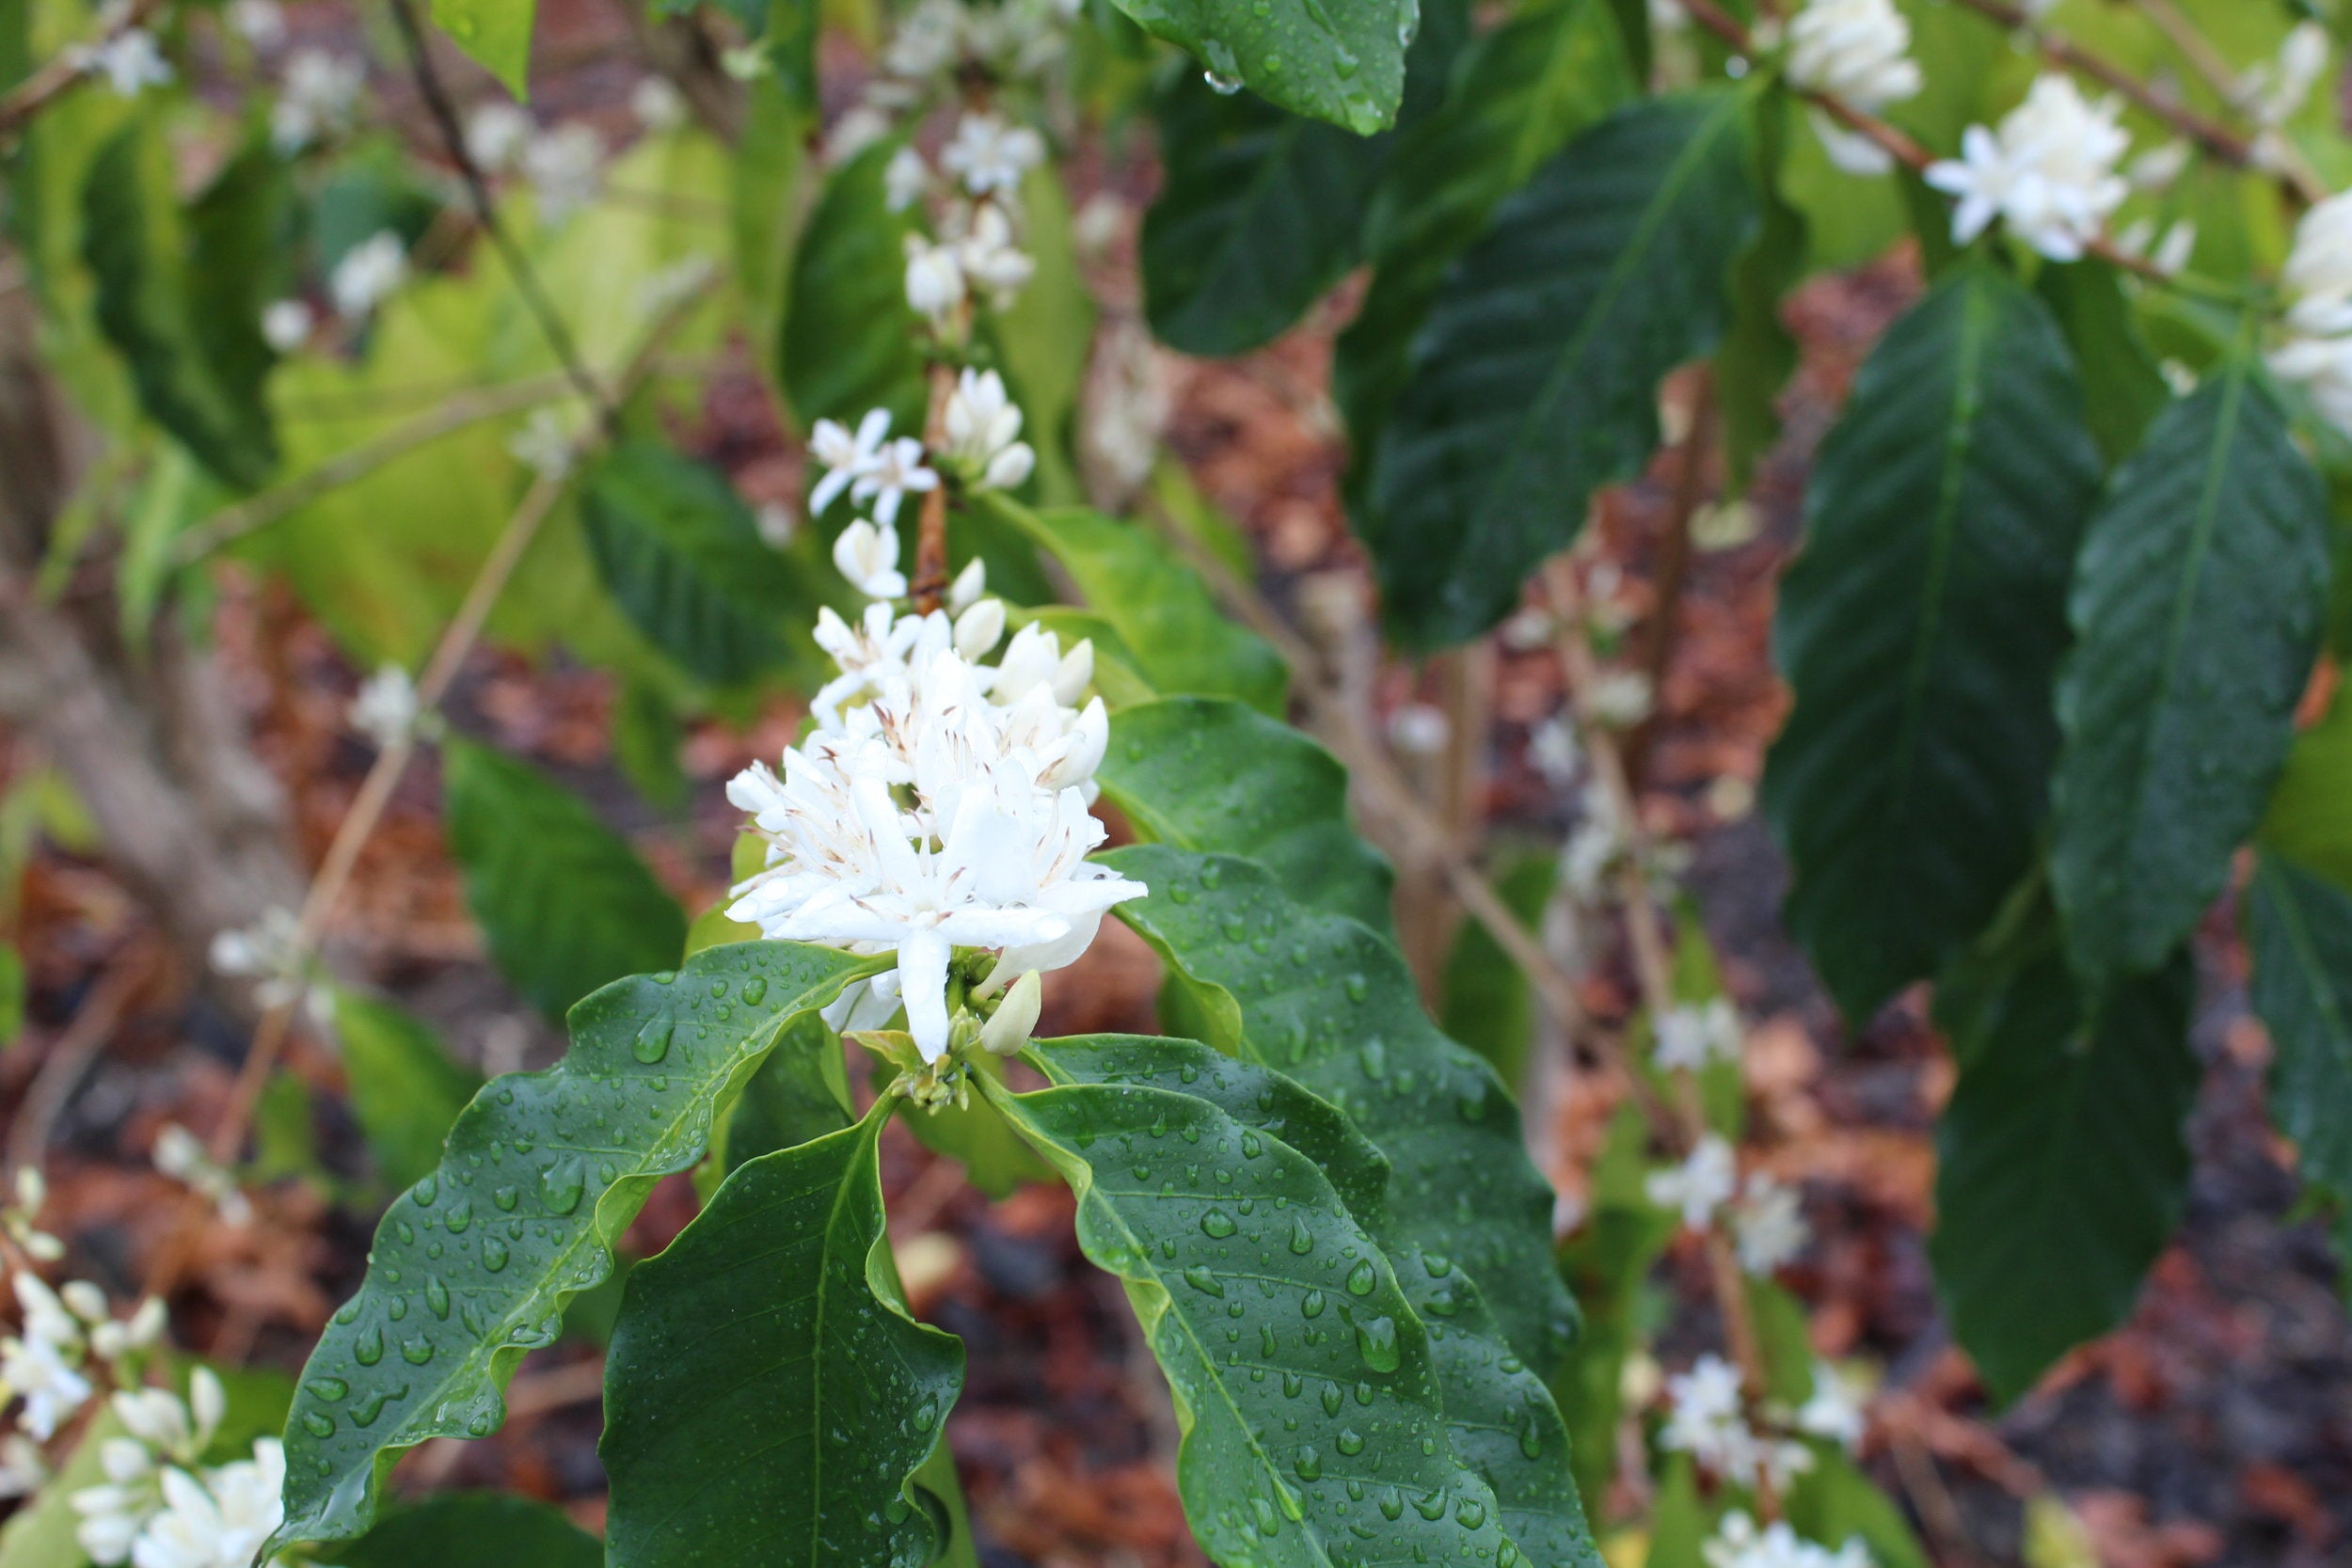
(565, 904)
(496, 33)
(2123, 388)
(2061, 1163)
(2300, 927)
(1209, 774)
(849, 339)
(475, 1530)
(1920, 628)
(1304, 1385)
(471, 1270)
(679, 550)
(767, 1397)
(1329, 1002)
(1182, 642)
(1760, 353)
(405, 1090)
(1533, 380)
(2197, 605)
(800, 1094)
(181, 296)
(1340, 63)
(647, 736)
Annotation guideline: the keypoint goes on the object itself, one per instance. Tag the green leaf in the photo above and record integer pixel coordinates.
(849, 339)
(1679, 1523)
(1184, 643)
(1921, 628)
(682, 554)
(2122, 386)
(1533, 381)
(1306, 1386)
(1518, 93)
(40, 1533)
(2061, 1163)
(12, 993)
(1760, 353)
(1502, 1422)
(1834, 1502)
(181, 295)
(2197, 604)
(1046, 336)
(767, 1397)
(2301, 928)
(471, 1270)
(495, 34)
(800, 1094)
(475, 1530)
(1326, 1001)
(1489, 1004)
(1340, 63)
(2309, 819)
(1210, 774)
(647, 736)
(1257, 215)
(405, 1089)
(564, 902)
(1607, 1264)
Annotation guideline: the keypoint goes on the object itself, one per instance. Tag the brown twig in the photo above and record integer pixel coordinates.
(68, 1058)
(62, 74)
(1674, 568)
(928, 586)
(2301, 182)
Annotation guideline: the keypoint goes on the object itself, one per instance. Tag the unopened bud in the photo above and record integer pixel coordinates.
(1074, 674)
(969, 585)
(978, 629)
(1016, 1016)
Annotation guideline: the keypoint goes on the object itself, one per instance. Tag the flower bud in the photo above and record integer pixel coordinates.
(1005, 1032)
(978, 629)
(1074, 674)
(969, 585)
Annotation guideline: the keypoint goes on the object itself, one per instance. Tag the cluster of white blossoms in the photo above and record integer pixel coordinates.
(977, 254)
(2049, 171)
(2274, 91)
(1858, 51)
(181, 1154)
(318, 100)
(387, 709)
(1706, 1417)
(938, 42)
(1768, 1217)
(158, 1507)
(68, 1341)
(940, 803)
(367, 274)
(564, 165)
(1693, 1034)
(129, 59)
(1738, 1543)
(2316, 354)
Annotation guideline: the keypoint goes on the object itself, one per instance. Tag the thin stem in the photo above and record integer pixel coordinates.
(2301, 182)
(61, 75)
(928, 586)
(1674, 567)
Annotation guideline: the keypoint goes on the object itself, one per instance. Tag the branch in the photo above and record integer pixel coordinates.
(62, 74)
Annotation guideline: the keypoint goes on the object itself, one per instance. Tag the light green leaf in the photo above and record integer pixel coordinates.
(2197, 604)
(471, 1270)
(475, 1530)
(767, 1397)
(12, 993)
(1533, 380)
(681, 552)
(496, 34)
(565, 904)
(2309, 819)
(405, 1089)
(1607, 1264)
(1834, 1502)
(1921, 628)
(1182, 642)
(1340, 63)
(648, 735)
(1306, 1386)
(1326, 1001)
(2301, 928)
(849, 339)
(2061, 1163)
(1210, 774)
(1502, 1422)
(1046, 336)
(2122, 387)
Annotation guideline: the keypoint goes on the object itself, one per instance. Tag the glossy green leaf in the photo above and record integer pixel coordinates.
(2061, 1167)
(1184, 643)
(2301, 928)
(475, 1530)
(2196, 608)
(1502, 1422)
(1533, 380)
(1306, 1386)
(682, 554)
(470, 1269)
(1326, 1001)
(180, 294)
(1211, 774)
(565, 904)
(849, 339)
(496, 34)
(2124, 389)
(1518, 93)
(1921, 628)
(767, 1397)
(1340, 63)
(800, 1093)
(405, 1089)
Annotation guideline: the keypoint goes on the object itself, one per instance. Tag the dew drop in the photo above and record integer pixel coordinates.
(318, 1425)
(1217, 1222)
(1224, 87)
(416, 1352)
(1302, 1238)
(653, 1041)
(1392, 1504)
(1433, 1506)
(1351, 1442)
(1203, 1280)
(493, 1254)
(332, 1389)
(369, 1346)
(755, 990)
(1313, 1306)
(1375, 1341)
(1362, 1278)
(560, 1185)
(1308, 1463)
(428, 1188)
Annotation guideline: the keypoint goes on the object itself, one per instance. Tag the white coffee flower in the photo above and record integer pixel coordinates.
(1693, 1034)
(129, 61)
(1595, 847)
(984, 427)
(1702, 1183)
(855, 132)
(260, 23)
(2315, 352)
(2167, 251)
(23, 1469)
(1619, 699)
(218, 1517)
(1005, 1034)
(1738, 1543)
(271, 951)
(905, 178)
(658, 104)
(928, 40)
(988, 154)
(387, 709)
(496, 134)
(1420, 729)
(980, 628)
(1706, 1415)
(367, 275)
(779, 525)
(542, 445)
(895, 471)
(1858, 51)
(181, 1154)
(143, 1330)
(845, 456)
(320, 93)
(36, 1371)
(2273, 92)
(988, 259)
(1553, 750)
(45, 1314)
(2158, 168)
(935, 285)
(868, 557)
(1767, 1226)
(1835, 1411)
(2048, 172)
(286, 324)
(565, 167)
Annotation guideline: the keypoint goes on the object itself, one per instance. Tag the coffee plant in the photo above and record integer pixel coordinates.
(2061, 641)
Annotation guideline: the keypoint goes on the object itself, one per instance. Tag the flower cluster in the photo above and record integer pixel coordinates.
(66, 1339)
(158, 1508)
(2049, 172)
(564, 165)
(2316, 354)
(1738, 1543)
(129, 60)
(319, 96)
(1858, 51)
(1707, 1418)
(941, 803)
(1768, 1217)
(1693, 1034)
